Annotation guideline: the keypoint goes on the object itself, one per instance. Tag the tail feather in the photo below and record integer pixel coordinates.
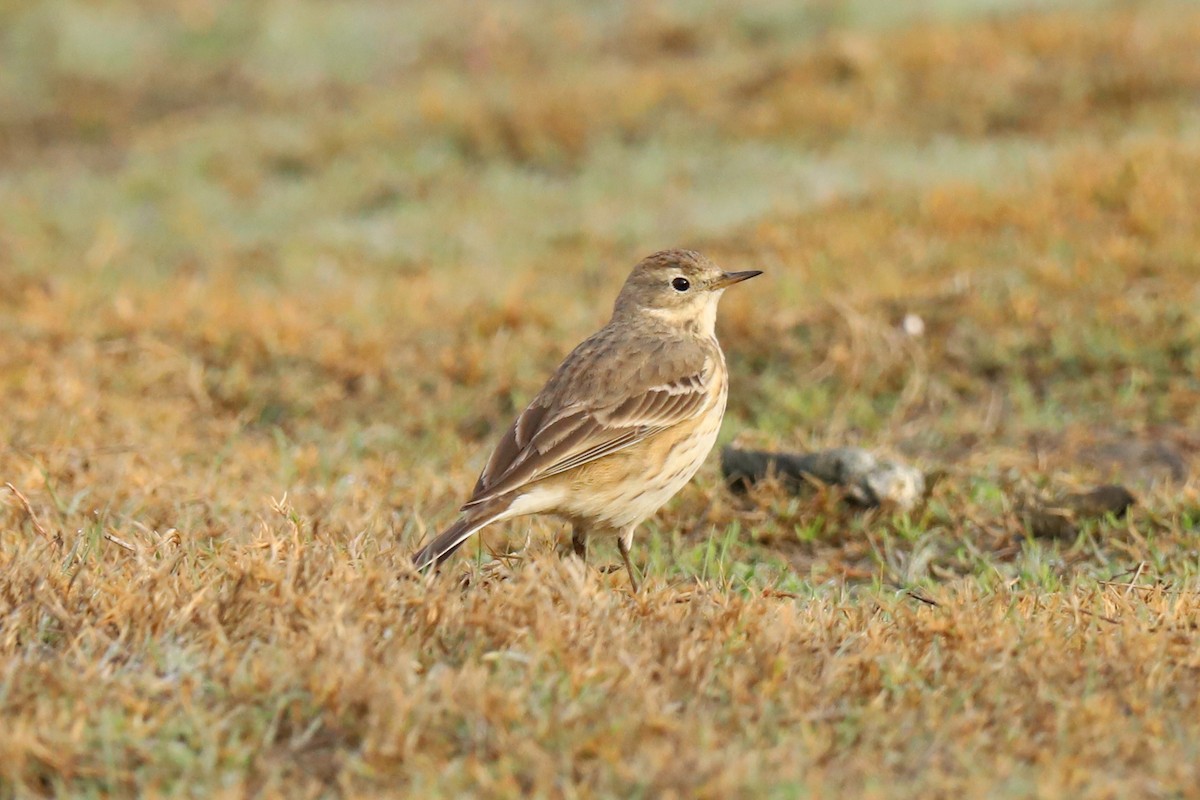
(449, 540)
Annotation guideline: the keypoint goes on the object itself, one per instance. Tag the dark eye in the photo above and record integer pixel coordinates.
(680, 284)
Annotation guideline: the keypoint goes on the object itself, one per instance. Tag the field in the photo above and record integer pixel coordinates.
(274, 278)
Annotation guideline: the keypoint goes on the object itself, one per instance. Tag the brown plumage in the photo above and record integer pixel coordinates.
(624, 422)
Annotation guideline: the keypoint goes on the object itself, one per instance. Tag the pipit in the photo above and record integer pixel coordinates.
(624, 422)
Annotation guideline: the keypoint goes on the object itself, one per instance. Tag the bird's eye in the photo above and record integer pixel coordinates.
(680, 284)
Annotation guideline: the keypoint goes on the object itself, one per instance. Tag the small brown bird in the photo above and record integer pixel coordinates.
(626, 419)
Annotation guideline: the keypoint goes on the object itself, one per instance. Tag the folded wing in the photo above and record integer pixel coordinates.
(561, 431)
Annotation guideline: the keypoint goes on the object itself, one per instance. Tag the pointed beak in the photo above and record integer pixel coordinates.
(730, 278)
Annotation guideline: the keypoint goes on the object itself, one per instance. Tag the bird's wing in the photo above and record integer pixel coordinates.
(595, 406)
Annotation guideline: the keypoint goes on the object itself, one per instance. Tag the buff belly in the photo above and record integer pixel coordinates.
(622, 490)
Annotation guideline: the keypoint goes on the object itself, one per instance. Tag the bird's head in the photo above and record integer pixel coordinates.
(680, 287)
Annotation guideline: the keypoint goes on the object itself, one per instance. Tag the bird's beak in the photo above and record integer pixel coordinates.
(730, 278)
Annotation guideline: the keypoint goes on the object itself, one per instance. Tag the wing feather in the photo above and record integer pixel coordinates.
(560, 431)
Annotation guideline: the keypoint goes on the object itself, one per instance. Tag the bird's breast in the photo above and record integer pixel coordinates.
(625, 488)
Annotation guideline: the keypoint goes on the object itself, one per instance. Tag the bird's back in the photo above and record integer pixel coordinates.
(618, 386)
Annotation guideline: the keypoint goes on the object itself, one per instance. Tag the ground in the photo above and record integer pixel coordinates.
(274, 277)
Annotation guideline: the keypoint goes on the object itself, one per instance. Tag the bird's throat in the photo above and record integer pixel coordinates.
(699, 319)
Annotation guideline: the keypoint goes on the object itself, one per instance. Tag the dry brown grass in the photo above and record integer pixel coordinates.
(270, 287)
(297, 662)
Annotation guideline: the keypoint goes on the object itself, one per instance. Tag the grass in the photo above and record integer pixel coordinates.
(272, 281)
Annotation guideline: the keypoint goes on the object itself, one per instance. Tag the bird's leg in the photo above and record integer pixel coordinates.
(579, 541)
(624, 542)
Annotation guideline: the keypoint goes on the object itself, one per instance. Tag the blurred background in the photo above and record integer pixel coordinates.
(286, 138)
(274, 277)
(351, 238)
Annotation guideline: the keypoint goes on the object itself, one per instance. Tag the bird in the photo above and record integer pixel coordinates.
(623, 423)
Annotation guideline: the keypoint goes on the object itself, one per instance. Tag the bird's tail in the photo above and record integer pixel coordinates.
(449, 540)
